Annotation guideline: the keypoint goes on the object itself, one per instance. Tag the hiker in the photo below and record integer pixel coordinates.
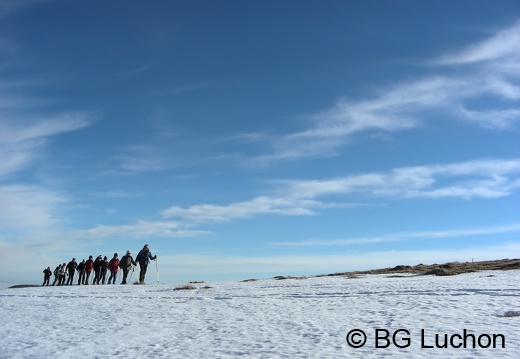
(63, 273)
(97, 269)
(56, 272)
(71, 268)
(104, 267)
(126, 264)
(89, 264)
(113, 265)
(81, 272)
(46, 276)
(144, 258)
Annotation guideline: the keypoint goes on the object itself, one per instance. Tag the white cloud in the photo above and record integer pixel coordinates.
(403, 107)
(494, 119)
(256, 206)
(458, 233)
(18, 130)
(262, 205)
(140, 229)
(138, 159)
(472, 179)
(28, 208)
(503, 45)
(14, 157)
(407, 105)
(22, 140)
(466, 180)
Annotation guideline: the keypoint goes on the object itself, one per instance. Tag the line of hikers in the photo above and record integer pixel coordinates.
(64, 273)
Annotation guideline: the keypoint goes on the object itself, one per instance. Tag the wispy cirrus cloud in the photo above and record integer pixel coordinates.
(29, 208)
(503, 45)
(471, 179)
(491, 70)
(139, 229)
(23, 129)
(139, 159)
(493, 119)
(22, 139)
(456, 233)
(486, 179)
(27, 118)
(256, 206)
(15, 157)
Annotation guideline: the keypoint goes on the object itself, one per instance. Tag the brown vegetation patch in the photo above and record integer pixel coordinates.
(24, 286)
(186, 287)
(446, 269)
(282, 277)
(352, 276)
(511, 313)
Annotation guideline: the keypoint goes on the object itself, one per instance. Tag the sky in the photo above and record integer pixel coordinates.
(248, 139)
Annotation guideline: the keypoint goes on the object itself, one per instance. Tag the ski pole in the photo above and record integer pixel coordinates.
(133, 268)
(157, 269)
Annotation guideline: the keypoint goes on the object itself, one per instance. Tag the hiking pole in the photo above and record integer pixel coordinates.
(133, 268)
(157, 269)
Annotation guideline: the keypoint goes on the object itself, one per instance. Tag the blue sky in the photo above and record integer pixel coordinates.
(247, 139)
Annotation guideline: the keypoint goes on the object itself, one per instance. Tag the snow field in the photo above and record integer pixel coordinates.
(296, 318)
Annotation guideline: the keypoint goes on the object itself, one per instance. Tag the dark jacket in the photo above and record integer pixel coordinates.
(144, 257)
(126, 262)
(71, 266)
(98, 263)
(104, 265)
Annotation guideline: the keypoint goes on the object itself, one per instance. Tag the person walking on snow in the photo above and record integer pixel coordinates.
(81, 271)
(88, 269)
(47, 272)
(71, 268)
(63, 273)
(113, 266)
(126, 264)
(97, 269)
(104, 268)
(57, 272)
(144, 258)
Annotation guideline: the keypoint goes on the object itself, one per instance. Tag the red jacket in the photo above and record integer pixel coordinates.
(113, 265)
(89, 264)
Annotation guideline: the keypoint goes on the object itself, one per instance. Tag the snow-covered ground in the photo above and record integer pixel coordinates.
(304, 318)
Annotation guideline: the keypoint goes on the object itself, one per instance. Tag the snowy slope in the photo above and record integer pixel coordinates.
(305, 318)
